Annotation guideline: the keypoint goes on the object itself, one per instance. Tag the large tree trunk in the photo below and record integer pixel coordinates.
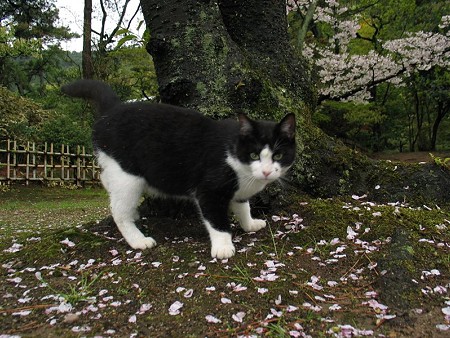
(224, 56)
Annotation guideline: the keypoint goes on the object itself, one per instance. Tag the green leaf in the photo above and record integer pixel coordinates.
(140, 24)
(125, 39)
(122, 31)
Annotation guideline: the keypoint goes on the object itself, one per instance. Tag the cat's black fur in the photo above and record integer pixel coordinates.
(178, 151)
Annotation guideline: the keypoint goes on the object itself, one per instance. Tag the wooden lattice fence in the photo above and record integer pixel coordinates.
(46, 163)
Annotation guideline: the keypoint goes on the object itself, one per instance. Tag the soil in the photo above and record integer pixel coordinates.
(410, 157)
(321, 268)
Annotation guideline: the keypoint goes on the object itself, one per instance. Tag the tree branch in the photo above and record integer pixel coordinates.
(110, 37)
(306, 23)
(134, 15)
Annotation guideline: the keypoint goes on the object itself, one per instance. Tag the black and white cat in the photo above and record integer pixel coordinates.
(165, 150)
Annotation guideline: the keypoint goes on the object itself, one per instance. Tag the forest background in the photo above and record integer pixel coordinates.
(381, 69)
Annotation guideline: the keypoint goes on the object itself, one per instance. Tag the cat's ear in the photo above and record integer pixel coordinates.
(287, 126)
(245, 125)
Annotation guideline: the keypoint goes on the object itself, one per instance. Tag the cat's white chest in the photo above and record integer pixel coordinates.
(248, 189)
(248, 185)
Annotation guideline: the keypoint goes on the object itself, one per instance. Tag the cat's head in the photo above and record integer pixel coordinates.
(266, 149)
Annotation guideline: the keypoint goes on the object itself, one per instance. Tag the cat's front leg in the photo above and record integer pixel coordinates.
(215, 217)
(221, 244)
(242, 212)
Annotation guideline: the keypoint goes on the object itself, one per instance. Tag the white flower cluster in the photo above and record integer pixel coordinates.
(422, 50)
(350, 76)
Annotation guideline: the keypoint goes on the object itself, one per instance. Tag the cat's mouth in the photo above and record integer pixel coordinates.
(268, 178)
(268, 175)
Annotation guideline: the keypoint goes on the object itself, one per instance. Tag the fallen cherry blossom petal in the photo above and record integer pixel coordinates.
(275, 313)
(38, 276)
(334, 307)
(375, 305)
(291, 308)
(14, 248)
(238, 317)
(16, 280)
(81, 328)
(22, 313)
(68, 243)
(144, 308)
(278, 300)
(174, 309)
(212, 319)
(332, 283)
(443, 327)
(188, 293)
(351, 234)
(236, 288)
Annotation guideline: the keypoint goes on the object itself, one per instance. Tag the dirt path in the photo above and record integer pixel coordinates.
(415, 157)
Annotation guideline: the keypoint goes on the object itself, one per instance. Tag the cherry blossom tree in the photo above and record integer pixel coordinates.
(346, 75)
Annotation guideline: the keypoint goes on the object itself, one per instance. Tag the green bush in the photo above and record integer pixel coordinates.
(66, 130)
(20, 118)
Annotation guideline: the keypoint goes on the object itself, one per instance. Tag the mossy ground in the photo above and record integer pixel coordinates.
(309, 274)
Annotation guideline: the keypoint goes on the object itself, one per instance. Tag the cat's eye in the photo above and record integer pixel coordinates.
(277, 157)
(254, 156)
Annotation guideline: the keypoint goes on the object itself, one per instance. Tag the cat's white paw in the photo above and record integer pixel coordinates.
(254, 225)
(142, 243)
(223, 251)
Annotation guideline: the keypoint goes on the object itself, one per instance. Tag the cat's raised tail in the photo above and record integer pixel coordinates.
(98, 92)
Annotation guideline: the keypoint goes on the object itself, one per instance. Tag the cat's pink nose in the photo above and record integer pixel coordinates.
(266, 173)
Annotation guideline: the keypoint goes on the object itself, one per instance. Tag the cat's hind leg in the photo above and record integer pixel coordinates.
(242, 212)
(125, 191)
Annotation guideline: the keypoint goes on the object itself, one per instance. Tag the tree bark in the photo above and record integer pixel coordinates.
(220, 57)
(87, 67)
(442, 110)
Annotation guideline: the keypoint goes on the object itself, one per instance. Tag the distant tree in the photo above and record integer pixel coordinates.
(98, 43)
(88, 70)
(33, 19)
(30, 31)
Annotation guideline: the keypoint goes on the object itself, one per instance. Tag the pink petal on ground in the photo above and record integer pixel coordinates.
(238, 317)
(174, 309)
(212, 319)
(68, 243)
